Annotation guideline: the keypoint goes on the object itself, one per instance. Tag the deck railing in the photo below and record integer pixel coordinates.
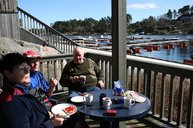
(41, 30)
(168, 85)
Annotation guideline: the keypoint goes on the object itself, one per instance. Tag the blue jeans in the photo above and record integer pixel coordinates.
(77, 93)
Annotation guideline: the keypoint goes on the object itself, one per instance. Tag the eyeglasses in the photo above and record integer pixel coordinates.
(22, 68)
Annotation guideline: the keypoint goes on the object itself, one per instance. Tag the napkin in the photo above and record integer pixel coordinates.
(111, 112)
(134, 95)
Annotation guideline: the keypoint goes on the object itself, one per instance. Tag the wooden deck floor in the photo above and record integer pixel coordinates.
(129, 124)
(141, 123)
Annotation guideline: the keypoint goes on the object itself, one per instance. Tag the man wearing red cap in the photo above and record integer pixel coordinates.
(39, 87)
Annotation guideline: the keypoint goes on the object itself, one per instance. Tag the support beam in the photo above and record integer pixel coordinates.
(119, 41)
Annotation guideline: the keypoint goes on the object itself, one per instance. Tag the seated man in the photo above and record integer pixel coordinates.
(19, 110)
(81, 74)
(39, 87)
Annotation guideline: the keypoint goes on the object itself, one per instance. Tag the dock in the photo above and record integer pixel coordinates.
(157, 42)
(109, 47)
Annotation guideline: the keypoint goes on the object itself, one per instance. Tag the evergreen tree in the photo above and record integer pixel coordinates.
(169, 14)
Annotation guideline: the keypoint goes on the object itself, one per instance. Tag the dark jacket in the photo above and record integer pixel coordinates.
(19, 110)
(88, 68)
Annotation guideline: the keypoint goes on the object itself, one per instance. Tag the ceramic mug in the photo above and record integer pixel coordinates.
(88, 98)
(107, 102)
(82, 79)
(128, 102)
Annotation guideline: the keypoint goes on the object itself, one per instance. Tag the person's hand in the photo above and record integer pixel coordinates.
(101, 84)
(74, 79)
(56, 119)
(53, 82)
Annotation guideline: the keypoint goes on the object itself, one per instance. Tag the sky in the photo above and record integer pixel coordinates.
(50, 11)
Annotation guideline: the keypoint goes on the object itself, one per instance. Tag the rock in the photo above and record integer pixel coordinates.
(8, 45)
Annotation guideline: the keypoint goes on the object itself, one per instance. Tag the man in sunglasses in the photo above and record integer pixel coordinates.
(39, 87)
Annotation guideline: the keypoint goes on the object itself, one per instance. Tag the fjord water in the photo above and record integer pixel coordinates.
(176, 54)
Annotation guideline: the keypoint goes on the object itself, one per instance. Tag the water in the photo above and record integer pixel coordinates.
(176, 54)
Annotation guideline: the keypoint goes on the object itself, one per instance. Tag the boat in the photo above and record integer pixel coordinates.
(186, 61)
(151, 47)
(133, 50)
(181, 45)
(168, 46)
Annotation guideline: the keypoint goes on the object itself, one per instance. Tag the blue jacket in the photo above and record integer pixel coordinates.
(19, 110)
(37, 79)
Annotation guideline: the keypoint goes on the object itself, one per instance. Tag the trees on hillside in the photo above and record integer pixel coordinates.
(184, 10)
(167, 23)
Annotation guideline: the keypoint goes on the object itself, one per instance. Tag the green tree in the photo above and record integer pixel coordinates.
(88, 24)
(184, 10)
(191, 10)
(129, 19)
(59, 26)
(175, 14)
(169, 14)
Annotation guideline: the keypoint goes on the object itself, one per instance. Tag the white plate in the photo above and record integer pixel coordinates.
(58, 109)
(78, 99)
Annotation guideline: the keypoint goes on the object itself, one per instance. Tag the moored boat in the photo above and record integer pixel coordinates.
(188, 61)
(181, 45)
(153, 47)
(168, 46)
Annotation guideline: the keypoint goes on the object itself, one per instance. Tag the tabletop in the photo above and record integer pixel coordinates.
(94, 111)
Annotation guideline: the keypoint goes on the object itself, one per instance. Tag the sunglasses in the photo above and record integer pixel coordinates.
(22, 68)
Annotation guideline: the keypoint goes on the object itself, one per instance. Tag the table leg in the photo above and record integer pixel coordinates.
(105, 124)
(117, 124)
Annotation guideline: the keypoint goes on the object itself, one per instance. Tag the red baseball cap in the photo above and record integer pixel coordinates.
(31, 54)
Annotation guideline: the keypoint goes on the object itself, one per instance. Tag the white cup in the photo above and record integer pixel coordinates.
(128, 102)
(107, 102)
(82, 79)
(88, 98)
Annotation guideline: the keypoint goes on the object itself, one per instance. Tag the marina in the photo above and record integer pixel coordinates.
(174, 48)
(157, 73)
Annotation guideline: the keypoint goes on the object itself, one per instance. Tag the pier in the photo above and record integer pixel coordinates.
(158, 42)
(137, 44)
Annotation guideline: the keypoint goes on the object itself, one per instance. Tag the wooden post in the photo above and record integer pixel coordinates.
(119, 41)
(9, 26)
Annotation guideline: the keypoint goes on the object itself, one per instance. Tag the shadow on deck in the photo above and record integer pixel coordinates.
(146, 122)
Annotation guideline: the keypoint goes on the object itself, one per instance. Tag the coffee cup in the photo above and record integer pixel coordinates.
(128, 102)
(107, 102)
(82, 79)
(88, 98)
